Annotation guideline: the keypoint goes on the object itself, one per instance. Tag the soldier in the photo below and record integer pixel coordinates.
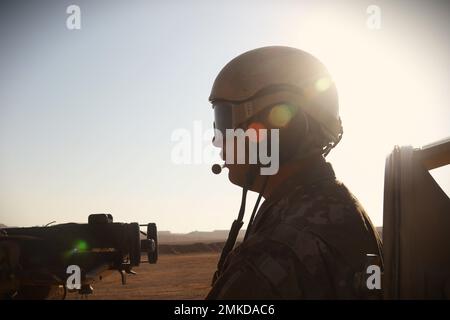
(310, 238)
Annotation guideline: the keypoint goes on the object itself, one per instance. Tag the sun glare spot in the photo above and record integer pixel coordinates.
(280, 115)
(323, 84)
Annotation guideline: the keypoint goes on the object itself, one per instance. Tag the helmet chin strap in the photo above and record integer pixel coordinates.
(237, 224)
(255, 208)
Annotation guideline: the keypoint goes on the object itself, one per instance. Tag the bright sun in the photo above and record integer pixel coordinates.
(384, 101)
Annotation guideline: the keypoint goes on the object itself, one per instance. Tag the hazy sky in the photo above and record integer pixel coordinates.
(86, 116)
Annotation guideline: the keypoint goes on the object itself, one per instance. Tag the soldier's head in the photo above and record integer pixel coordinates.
(284, 94)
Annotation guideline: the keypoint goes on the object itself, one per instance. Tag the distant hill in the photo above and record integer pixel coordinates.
(167, 237)
(202, 247)
(195, 236)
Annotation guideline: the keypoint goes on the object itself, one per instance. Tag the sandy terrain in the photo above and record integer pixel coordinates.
(182, 276)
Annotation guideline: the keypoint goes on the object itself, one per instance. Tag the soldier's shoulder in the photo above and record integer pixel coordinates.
(284, 258)
(326, 203)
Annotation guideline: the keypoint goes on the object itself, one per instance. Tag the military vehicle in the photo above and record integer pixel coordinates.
(37, 261)
(416, 224)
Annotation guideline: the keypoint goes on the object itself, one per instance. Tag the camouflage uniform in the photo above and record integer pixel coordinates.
(309, 240)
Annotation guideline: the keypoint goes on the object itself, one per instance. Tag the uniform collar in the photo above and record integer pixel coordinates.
(317, 172)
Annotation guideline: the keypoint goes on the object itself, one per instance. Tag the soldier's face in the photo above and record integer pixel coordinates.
(242, 147)
(236, 172)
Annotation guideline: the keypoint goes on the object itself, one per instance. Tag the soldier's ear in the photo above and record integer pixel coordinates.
(303, 122)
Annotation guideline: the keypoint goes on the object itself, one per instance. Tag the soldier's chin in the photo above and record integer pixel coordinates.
(237, 174)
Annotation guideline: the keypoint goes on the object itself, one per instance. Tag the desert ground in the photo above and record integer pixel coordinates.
(175, 276)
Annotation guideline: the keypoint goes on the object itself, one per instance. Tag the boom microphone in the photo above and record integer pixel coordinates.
(217, 168)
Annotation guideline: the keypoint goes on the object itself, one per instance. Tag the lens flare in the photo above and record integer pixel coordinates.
(81, 245)
(323, 84)
(256, 126)
(281, 115)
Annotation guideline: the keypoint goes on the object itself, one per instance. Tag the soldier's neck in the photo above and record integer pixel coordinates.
(285, 172)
